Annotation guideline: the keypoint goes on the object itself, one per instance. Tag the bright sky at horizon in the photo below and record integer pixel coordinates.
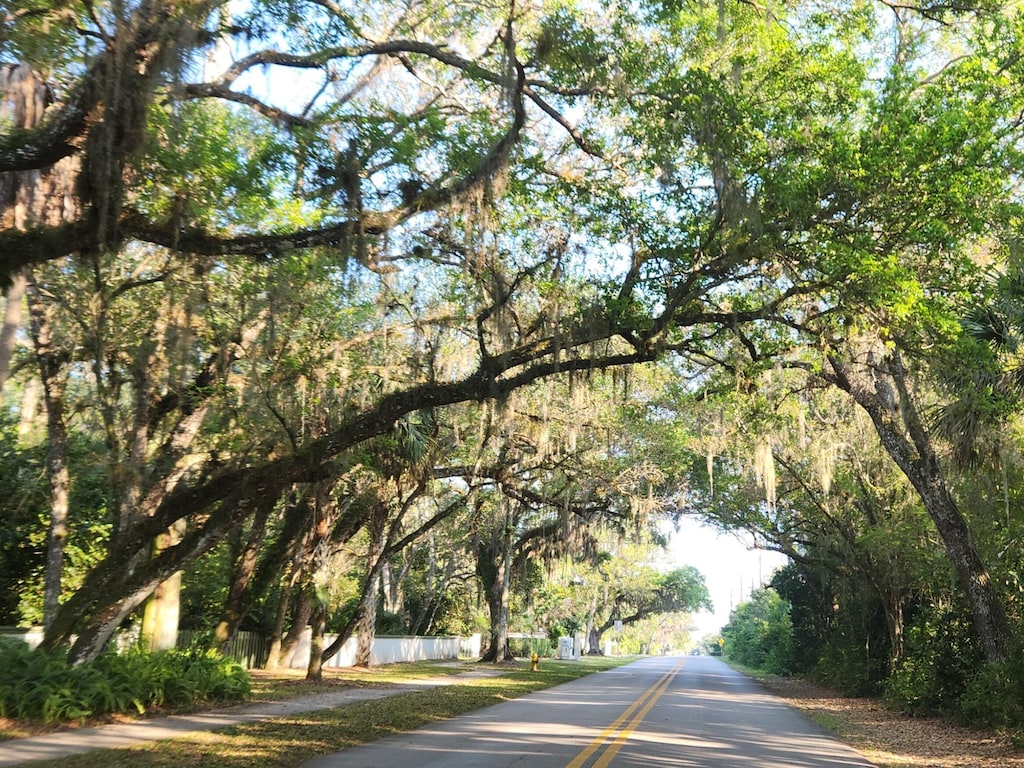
(731, 568)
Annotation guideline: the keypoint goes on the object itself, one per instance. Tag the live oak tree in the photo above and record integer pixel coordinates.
(864, 555)
(376, 174)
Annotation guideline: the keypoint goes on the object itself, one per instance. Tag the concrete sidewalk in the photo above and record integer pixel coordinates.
(76, 741)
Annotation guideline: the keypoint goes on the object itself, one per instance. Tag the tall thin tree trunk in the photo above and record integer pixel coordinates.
(376, 525)
(274, 659)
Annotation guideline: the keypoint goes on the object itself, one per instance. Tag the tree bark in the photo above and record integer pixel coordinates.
(233, 611)
(889, 404)
(494, 567)
(366, 629)
(317, 623)
(300, 620)
(324, 508)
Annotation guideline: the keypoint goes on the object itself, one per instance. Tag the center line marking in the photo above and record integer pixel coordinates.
(644, 704)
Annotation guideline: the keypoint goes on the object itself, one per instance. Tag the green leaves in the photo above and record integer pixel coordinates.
(39, 685)
(213, 167)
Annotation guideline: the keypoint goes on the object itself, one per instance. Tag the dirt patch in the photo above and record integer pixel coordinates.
(889, 738)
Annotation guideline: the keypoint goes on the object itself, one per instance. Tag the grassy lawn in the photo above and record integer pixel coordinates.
(292, 740)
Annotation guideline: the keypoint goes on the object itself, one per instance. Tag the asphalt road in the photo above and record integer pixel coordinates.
(670, 712)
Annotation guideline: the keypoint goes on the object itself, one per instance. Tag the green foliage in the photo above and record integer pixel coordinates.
(41, 685)
(24, 508)
(683, 589)
(942, 658)
(809, 610)
(994, 696)
(23, 490)
(839, 631)
(523, 647)
(231, 157)
(760, 634)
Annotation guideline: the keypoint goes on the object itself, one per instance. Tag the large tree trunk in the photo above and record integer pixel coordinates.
(889, 404)
(494, 567)
(317, 623)
(45, 196)
(300, 620)
(163, 608)
(324, 512)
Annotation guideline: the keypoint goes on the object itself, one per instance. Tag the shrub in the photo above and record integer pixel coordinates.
(994, 698)
(41, 685)
(941, 658)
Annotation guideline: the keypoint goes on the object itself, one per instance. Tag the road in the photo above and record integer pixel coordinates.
(670, 712)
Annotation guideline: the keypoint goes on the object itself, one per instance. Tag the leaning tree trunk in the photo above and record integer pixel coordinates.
(906, 439)
(245, 566)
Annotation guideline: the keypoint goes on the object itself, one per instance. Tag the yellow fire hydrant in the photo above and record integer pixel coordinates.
(534, 660)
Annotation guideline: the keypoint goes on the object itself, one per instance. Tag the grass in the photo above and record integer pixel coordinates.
(291, 683)
(289, 741)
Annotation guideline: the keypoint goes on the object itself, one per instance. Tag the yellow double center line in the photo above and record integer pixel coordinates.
(617, 733)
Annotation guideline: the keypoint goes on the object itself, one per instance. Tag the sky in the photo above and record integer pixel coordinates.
(731, 568)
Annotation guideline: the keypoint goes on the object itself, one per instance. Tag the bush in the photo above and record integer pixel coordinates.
(940, 660)
(41, 685)
(994, 698)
